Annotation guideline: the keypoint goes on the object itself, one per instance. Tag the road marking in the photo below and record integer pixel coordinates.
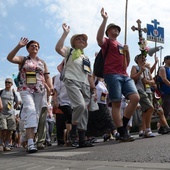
(61, 154)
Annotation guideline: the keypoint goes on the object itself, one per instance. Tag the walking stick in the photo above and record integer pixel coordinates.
(125, 40)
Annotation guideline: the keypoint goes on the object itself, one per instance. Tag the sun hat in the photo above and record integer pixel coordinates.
(74, 36)
(112, 25)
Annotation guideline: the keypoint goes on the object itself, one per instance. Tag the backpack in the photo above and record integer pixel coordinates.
(12, 92)
(17, 79)
(159, 82)
(99, 61)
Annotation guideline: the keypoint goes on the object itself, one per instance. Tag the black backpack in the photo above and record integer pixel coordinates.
(98, 67)
(159, 81)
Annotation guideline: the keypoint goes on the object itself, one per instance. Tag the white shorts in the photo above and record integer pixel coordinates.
(32, 105)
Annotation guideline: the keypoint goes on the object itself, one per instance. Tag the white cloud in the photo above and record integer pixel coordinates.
(20, 26)
(31, 3)
(83, 16)
(3, 11)
(5, 5)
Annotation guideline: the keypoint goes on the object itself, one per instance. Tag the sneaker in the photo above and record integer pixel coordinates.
(7, 148)
(73, 143)
(141, 134)
(48, 143)
(31, 149)
(126, 138)
(106, 137)
(93, 140)
(149, 134)
(162, 130)
(40, 146)
(85, 143)
(167, 129)
(116, 136)
(1, 148)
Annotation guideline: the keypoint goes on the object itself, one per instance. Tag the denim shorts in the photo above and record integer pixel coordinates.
(118, 85)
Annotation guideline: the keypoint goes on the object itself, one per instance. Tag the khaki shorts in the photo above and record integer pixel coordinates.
(7, 122)
(145, 101)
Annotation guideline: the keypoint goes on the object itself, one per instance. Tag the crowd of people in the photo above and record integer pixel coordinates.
(65, 100)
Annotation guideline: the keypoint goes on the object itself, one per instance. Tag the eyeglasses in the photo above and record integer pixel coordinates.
(34, 45)
(8, 82)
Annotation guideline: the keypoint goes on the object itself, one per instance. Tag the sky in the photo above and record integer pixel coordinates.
(41, 20)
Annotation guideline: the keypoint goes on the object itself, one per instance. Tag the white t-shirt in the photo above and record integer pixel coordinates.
(102, 92)
(63, 98)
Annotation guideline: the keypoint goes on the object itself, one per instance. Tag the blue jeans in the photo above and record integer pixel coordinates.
(118, 85)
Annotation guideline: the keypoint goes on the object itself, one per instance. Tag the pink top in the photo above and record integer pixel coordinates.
(37, 69)
(114, 62)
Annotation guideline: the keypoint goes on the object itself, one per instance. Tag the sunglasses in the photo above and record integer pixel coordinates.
(8, 82)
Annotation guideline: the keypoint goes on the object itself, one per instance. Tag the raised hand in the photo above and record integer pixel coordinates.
(23, 42)
(104, 14)
(66, 28)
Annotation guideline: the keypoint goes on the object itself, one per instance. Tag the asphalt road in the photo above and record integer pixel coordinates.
(141, 154)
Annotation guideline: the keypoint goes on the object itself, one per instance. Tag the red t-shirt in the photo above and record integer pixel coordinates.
(115, 59)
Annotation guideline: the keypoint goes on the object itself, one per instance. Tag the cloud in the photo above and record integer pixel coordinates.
(20, 26)
(5, 5)
(32, 3)
(42, 20)
(3, 11)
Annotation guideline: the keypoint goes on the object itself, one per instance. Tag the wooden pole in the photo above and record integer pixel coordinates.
(125, 40)
(126, 7)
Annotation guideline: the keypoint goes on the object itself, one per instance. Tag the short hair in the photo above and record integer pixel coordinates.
(31, 42)
(166, 57)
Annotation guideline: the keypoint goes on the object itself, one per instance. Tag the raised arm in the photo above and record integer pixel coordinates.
(100, 33)
(60, 44)
(12, 55)
(154, 65)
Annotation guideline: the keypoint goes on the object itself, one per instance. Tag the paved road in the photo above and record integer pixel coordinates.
(142, 154)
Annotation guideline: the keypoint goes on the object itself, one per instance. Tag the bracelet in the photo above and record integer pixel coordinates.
(46, 73)
(94, 88)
